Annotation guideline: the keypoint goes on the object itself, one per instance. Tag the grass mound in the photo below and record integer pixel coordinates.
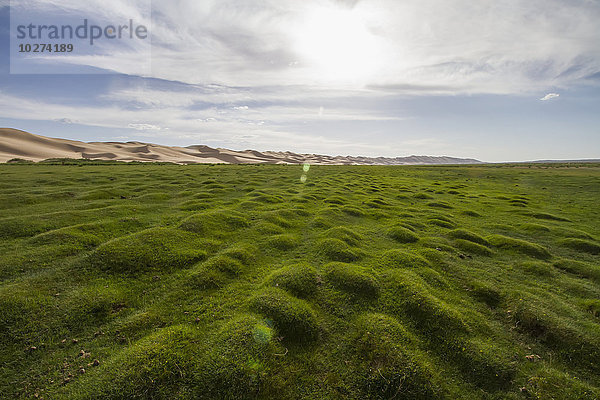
(89, 234)
(423, 196)
(581, 245)
(521, 246)
(301, 280)
(343, 233)
(103, 194)
(483, 363)
(19, 227)
(337, 250)
(284, 242)
(157, 366)
(245, 253)
(269, 228)
(388, 361)
(549, 217)
(573, 233)
(20, 312)
(535, 228)
(443, 218)
(592, 306)
(267, 198)
(579, 268)
(320, 222)
(237, 363)
(442, 223)
(468, 235)
(518, 203)
(353, 279)
(195, 205)
(353, 211)
(92, 305)
(248, 205)
(154, 197)
(402, 259)
(556, 329)
(442, 325)
(175, 363)
(376, 203)
(472, 247)
(281, 218)
(405, 295)
(402, 235)
(335, 200)
(539, 268)
(471, 213)
(207, 278)
(485, 293)
(438, 244)
(440, 204)
(214, 222)
(294, 319)
(552, 384)
(67, 241)
(135, 325)
(224, 264)
(153, 249)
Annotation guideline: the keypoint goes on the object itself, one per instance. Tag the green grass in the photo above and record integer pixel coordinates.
(402, 259)
(337, 250)
(293, 318)
(581, 245)
(467, 235)
(301, 280)
(519, 246)
(388, 358)
(242, 282)
(351, 278)
(472, 247)
(152, 249)
(402, 235)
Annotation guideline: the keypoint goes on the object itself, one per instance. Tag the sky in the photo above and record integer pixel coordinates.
(508, 80)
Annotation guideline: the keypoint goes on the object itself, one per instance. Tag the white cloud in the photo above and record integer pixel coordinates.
(271, 127)
(144, 127)
(447, 46)
(66, 121)
(504, 48)
(550, 96)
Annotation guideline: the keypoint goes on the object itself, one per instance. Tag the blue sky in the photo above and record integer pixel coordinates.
(350, 77)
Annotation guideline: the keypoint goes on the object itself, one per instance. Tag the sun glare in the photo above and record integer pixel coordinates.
(336, 45)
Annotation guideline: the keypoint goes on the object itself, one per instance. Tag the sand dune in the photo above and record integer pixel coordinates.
(19, 144)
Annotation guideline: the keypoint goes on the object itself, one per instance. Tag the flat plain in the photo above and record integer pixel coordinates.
(123, 281)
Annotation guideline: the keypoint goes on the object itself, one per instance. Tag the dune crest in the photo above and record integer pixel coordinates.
(20, 144)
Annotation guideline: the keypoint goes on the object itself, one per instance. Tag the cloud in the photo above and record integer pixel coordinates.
(438, 46)
(144, 127)
(550, 96)
(503, 49)
(66, 121)
(267, 126)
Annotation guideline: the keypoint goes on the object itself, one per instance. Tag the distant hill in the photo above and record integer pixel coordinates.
(27, 146)
(592, 160)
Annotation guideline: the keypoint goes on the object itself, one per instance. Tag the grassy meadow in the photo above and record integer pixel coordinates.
(248, 282)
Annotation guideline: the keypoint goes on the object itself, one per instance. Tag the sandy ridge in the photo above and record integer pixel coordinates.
(20, 144)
